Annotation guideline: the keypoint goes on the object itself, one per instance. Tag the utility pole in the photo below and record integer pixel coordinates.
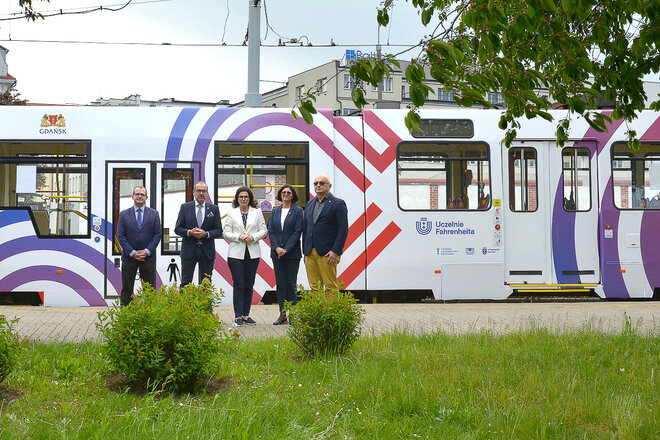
(253, 97)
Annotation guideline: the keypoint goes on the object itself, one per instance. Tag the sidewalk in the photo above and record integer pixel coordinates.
(75, 324)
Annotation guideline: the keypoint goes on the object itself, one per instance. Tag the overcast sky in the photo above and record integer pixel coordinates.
(80, 73)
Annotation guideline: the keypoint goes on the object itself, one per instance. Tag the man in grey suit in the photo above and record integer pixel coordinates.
(199, 224)
(138, 233)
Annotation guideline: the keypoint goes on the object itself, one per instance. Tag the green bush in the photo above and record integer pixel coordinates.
(165, 339)
(8, 348)
(325, 323)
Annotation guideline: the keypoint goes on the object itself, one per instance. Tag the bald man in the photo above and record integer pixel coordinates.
(324, 234)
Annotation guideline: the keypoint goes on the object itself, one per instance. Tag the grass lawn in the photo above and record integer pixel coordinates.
(534, 384)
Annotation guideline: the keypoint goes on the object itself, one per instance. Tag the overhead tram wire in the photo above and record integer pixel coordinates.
(297, 45)
(77, 11)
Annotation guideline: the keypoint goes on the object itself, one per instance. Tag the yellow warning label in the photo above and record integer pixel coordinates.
(497, 202)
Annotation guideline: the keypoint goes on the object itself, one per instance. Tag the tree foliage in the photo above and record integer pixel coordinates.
(580, 50)
(11, 97)
(30, 13)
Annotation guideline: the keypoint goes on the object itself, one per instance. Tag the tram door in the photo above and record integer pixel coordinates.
(551, 213)
(168, 184)
(263, 167)
(527, 214)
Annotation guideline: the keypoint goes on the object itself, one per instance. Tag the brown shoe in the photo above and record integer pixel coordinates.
(281, 320)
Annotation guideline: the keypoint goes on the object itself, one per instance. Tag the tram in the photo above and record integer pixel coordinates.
(445, 213)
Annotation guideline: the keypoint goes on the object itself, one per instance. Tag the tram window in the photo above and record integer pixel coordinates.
(522, 180)
(444, 128)
(443, 176)
(52, 179)
(177, 185)
(124, 181)
(576, 170)
(262, 167)
(636, 176)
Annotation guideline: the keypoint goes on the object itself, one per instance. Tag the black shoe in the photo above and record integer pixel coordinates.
(238, 322)
(281, 320)
(249, 321)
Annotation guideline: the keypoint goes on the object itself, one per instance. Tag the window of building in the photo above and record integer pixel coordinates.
(445, 95)
(348, 82)
(443, 176)
(576, 171)
(636, 177)
(495, 98)
(386, 84)
(322, 85)
(51, 179)
(522, 180)
(300, 90)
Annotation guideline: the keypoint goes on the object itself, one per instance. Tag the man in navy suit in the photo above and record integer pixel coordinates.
(199, 224)
(324, 234)
(138, 233)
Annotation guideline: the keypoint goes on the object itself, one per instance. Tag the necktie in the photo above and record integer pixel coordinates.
(200, 217)
(139, 218)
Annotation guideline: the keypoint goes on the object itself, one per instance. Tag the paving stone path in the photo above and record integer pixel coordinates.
(75, 324)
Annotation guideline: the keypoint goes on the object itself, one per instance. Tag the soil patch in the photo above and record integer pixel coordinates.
(7, 395)
(119, 383)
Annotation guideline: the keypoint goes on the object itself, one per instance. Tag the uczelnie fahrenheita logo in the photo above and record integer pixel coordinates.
(53, 124)
(424, 226)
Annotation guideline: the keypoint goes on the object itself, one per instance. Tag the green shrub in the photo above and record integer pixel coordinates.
(325, 323)
(8, 348)
(165, 339)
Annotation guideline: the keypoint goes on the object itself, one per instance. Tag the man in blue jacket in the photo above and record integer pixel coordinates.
(324, 234)
(138, 233)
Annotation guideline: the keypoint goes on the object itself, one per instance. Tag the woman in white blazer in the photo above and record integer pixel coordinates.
(244, 227)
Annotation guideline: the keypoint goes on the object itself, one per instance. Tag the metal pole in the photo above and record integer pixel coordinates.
(253, 97)
(380, 84)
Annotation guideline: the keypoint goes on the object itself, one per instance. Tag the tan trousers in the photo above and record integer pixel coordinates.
(319, 271)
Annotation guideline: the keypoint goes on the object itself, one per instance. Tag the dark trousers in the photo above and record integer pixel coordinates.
(188, 267)
(243, 273)
(129, 270)
(286, 274)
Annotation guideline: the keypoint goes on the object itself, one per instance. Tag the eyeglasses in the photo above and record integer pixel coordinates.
(201, 191)
(139, 195)
(243, 197)
(286, 192)
(320, 183)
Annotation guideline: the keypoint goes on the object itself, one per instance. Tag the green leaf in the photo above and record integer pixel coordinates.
(383, 18)
(549, 5)
(307, 116)
(427, 14)
(412, 121)
(416, 96)
(545, 115)
(358, 98)
(307, 105)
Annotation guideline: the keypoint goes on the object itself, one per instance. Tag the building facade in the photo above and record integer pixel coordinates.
(334, 84)
(6, 80)
(137, 101)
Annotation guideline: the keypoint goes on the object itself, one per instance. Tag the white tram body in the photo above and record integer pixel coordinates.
(447, 211)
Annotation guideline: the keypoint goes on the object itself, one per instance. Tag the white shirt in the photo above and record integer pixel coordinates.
(284, 213)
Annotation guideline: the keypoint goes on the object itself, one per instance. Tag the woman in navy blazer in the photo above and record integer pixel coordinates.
(284, 229)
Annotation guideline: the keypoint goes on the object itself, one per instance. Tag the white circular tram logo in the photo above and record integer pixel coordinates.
(424, 226)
